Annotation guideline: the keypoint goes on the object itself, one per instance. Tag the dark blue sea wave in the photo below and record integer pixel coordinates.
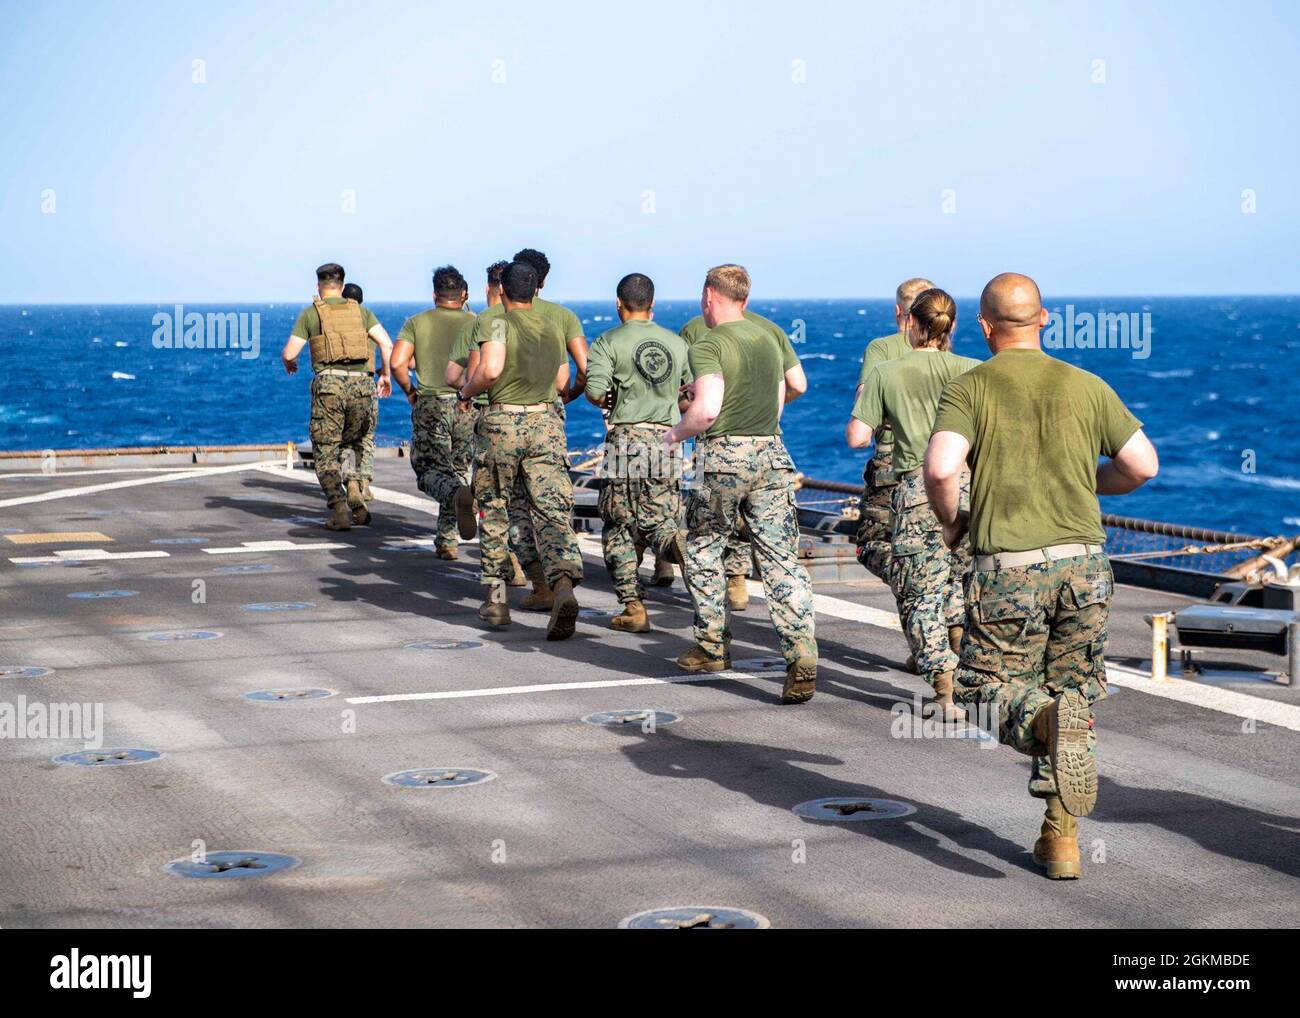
(1215, 389)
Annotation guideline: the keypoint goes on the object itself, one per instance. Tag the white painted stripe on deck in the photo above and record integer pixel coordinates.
(258, 547)
(88, 555)
(93, 489)
(549, 687)
(1225, 701)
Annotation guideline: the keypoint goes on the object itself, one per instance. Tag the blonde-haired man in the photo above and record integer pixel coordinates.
(743, 474)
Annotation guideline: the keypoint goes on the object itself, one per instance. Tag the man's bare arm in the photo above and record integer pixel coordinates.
(944, 459)
(1132, 467)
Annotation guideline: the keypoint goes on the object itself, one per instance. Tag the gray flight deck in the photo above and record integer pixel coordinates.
(1198, 822)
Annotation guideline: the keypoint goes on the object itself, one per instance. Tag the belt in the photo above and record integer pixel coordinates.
(1010, 559)
(643, 424)
(522, 408)
(342, 371)
(761, 439)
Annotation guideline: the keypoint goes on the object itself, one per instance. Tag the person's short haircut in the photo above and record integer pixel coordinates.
(448, 283)
(519, 281)
(494, 272)
(732, 281)
(907, 292)
(352, 292)
(330, 272)
(636, 291)
(1013, 300)
(540, 263)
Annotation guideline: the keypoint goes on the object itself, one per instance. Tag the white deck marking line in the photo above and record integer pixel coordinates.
(548, 687)
(1225, 701)
(257, 547)
(89, 471)
(92, 489)
(88, 555)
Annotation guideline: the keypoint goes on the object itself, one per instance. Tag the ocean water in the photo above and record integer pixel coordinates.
(1212, 379)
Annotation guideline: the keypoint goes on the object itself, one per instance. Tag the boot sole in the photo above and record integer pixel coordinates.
(800, 687)
(466, 521)
(665, 580)
(358, 503)
(711, 666)
(497, 623)
(564, 620)
(360, 517)
(1060, 869)
(1075, 768)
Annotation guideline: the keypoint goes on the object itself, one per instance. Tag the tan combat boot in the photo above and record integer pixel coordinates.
(355, 501)
(517, 577)
(1057, 847)
(366, 493)
(541, 599)
(633, 619)
(466, 518)
(448, 552)
(663, 575)
(495, 611)
(955, 634)
(942, 702)
(1063, 725)
(339, 518)
(800, 681)
(737, 593)
(564, 613)
(696, 660)
(360, 515)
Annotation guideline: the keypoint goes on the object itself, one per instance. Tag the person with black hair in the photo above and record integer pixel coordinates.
(636, 370)
(569, 324)
(339, 332)
(363, 468)
(521, 367)
(442, 428)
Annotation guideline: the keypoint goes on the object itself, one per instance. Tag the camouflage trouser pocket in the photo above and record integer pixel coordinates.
(1076, 655)
(994, 647)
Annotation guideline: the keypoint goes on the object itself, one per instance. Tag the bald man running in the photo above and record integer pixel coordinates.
(1033, 428)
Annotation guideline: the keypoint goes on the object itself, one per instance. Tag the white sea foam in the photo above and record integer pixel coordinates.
(123, 376)
(818, 357)
(1179, 373)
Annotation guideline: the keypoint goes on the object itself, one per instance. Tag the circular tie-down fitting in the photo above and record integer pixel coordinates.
(637, 718)
(182, 634)
(246, 567)
(695, 917)
(288, 695)
(444, 645)
(232, 865)
(277, 606)
(179, 540)
(107, 757)
(759, 665)
(840, 808)
(599, 613)
(439, 777)
(23, 671)
(96, 595)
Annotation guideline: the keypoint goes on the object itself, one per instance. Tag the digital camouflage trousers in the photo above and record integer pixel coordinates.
(640, 502)
(442, 456)
(342, 408)
(873, 533)
(1033, 632)
(749, 480)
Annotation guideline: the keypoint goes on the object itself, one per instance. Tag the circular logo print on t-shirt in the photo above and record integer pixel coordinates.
(653, 361)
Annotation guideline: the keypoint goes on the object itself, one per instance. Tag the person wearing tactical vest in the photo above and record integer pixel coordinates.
(442, 428)
(874, 537)
(522, 365)
(738, 557)
(636, 371)
(925, 576)
(338, 333)
(1032, 429)
(743, 474)
(364, 471)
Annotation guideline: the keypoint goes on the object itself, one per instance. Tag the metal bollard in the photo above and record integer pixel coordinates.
(1293, 653)
(1160, 646)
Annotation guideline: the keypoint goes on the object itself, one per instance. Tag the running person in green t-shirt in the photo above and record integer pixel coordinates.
(363, 470)
(338, 333)
(744, 474)
(442, 428)
(738, 558)
(636, 371)
(1032, 428)
(874, 537)
(522, 364)
(925, 576)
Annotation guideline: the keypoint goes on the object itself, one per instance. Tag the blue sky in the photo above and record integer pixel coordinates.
(661, 137)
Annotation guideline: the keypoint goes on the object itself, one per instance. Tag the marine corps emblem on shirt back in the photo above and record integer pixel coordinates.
(653, 361)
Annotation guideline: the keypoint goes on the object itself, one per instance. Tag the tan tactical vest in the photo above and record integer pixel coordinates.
(343, 334)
